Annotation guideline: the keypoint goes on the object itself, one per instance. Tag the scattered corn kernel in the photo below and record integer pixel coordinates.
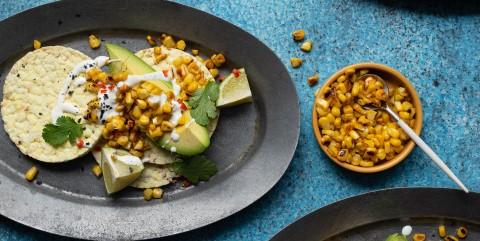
(37, 44)
(147, 194)
(450, 238)
(169, 42)
(94, 42)
(195, 52)
(442, 231)
(213, 72)
(96, 170)
(306, 46)
(313, 80)
(298, 34)
(31, 173)
(419, 237)
(462, 232)
(181, 44)
(151, 41)
(157, 193)
(295, 62)
(218, 59)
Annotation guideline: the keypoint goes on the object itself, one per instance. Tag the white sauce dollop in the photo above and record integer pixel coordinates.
(174, 135)
(407, 230)
(82, 67)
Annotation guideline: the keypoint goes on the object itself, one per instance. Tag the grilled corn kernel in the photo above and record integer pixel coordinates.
(218, 59)
(155, 133)
(366, 163)
(395, 142)
(188, 78)
(138, 146)
(157, 50)
(31, 173)
(94, 42)
(159, 58)
(147, 194)
(462, 232)
(142, 93)
(324, 123)
(295, 62)
(209, 64)
(118, 123)
(37, 44)
(298, 34)
(151, 40)
(450, 238)
(167, 108)
(141, 104)
(192, 87)
(419, 237)
(136, 112)
(143, 120)
(194, 52)
(120, 76)
(312, 80)
(306, 46)
(335, 111)
(157, 193)
(404, 115)
(213, 72)
(181, 45)
(166, 126)
(96, 170)
(122, 140)
(169, 42)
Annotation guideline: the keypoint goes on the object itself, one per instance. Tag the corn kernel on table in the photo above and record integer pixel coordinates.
(436, 44)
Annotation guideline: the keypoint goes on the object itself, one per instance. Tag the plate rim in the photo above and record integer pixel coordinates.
(349, 202)
(7, 181)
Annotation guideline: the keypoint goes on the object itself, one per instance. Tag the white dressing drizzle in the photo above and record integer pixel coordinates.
(59, 108)
(107, 97)
(70, 108)
(79, 81)
(129, 160)
(157, 99)
(133, 80)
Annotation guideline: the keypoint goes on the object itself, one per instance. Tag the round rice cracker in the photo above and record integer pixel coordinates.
(158, 155)
(29, 95)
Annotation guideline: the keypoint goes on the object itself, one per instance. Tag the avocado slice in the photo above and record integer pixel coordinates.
(133, 64)
(120, 168)
(194, 138)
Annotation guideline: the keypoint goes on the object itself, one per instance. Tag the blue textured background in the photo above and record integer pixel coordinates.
(436, 44)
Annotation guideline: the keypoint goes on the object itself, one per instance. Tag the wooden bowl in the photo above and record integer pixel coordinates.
(393, 79)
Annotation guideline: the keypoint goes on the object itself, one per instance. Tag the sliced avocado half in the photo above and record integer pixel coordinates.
(120, 168)
(128, 61)
(194, 138)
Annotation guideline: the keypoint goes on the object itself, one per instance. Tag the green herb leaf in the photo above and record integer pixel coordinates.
(65, 129)
(195, 169)
(203, 103)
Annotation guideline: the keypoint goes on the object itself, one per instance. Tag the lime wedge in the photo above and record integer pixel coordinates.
(120, 168)
(234, 90)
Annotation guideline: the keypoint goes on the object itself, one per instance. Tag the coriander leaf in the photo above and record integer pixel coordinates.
(65, 129)
(74, 129)
(195, 169)
(54, 135)
(203, 103)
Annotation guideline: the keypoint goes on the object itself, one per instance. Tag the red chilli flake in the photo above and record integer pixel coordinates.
(101, 85)
(111, 87)
(103, 91)
(80, 143)
(165, 73)
(182, 105)
(236, 73)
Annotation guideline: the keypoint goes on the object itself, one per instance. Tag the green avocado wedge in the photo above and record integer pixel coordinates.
(128, 61)
(120, 168)
(193, 138)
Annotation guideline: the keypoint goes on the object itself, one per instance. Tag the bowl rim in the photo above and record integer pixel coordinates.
(418, 117)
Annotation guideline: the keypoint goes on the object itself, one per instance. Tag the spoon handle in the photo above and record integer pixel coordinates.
(426, 149)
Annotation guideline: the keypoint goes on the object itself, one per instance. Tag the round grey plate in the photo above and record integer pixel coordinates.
(252, 146)
(375, 215)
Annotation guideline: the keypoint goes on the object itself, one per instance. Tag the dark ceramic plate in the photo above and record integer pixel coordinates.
(375, 215)
(253, 144)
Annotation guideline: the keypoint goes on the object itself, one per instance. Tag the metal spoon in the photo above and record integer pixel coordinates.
(385, 107)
